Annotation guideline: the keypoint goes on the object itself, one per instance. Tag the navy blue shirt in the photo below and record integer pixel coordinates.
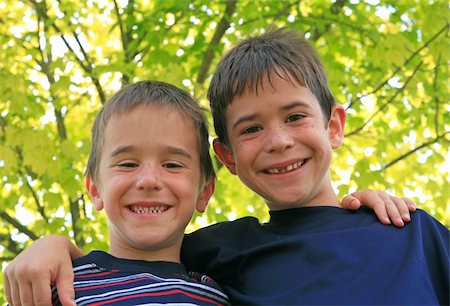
(325, 255)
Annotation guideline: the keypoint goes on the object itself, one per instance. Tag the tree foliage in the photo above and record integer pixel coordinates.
(387, 62)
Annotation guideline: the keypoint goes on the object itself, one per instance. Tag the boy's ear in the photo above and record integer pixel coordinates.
(205, 195)
(225, 155)
(92, 188)
(336, 126)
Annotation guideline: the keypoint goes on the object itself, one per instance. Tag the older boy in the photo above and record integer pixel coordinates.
(18, 276)
(277, 124)
(149, 168)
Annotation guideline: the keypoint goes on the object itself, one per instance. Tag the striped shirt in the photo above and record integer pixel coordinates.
(102, 279)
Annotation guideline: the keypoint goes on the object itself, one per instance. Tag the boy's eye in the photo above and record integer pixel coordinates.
(128, 165)
(252, 129)
(294, 117)
(172, 165)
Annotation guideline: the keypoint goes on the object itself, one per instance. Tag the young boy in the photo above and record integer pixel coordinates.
(149, 168)
(277, 124)
(18, 275)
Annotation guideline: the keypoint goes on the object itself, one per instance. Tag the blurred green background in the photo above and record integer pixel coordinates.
(387, 62)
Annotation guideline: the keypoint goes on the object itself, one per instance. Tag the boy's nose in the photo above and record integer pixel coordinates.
(148, 178)
(279, 140)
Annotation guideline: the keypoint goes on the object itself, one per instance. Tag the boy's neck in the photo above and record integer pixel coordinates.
(329, 200)
(127, 252)
(327, 197)
(272, 207)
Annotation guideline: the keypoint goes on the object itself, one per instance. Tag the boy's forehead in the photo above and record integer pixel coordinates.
(164, 111)
(265, 82)
(267, 85)
(145, 115)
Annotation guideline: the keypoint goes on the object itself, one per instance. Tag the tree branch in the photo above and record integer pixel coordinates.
(40, 207)
(10, 244)
(436, 97)
(383, 106)
(426, 144)
(281, 13)
(406, 62)
(126, 38)
(123, 35)
(143, 52)
(45, 64)
(223, 25)
(86, 64)
(335, 9)
(19, 226)
(342, 23)
(75, 214)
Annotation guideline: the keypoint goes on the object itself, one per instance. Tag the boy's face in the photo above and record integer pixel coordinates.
(149, 182)
(281, 146)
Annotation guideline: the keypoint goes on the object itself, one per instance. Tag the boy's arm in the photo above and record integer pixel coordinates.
(387, 208)
(27, 279)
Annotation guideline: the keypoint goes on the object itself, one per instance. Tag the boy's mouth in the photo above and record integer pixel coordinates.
(286, 169)
(148, 209)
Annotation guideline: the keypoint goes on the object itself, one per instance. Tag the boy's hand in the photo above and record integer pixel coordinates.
(387, 208)
(27, 279)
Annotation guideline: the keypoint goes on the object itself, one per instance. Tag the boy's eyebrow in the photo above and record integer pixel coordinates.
(130, 148)
(179, 151)
(121, 149)
(295, 104)
(284, 108)
(243, 119)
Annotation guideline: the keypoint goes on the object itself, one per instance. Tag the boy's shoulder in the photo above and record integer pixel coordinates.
(426, 220)
(306, 221)
(225, 228)
(93, 258)
(419, 219)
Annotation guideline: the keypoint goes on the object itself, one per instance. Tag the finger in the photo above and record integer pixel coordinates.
(411, 205)
(24, 276)
(23, 285)
(379, 206)
(64, 285)
(8, 290)
(373, 200)
(403, 208)
(395, 209)
(13, 288)
(351, 202)
(42, 292)
(26, 294)
(15, 293)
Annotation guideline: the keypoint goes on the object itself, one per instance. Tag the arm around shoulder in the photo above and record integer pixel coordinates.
(48, 261)
(389, 209)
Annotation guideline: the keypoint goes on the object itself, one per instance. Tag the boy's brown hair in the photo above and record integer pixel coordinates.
(281, 52)
(151, 93)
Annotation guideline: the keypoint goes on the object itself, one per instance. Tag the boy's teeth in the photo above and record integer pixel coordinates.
(286, 169)
(147, 210)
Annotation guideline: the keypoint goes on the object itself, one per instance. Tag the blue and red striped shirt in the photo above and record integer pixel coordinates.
(102, 279)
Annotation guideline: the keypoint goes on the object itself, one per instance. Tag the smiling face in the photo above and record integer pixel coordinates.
(149, 182)
(281, 146)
